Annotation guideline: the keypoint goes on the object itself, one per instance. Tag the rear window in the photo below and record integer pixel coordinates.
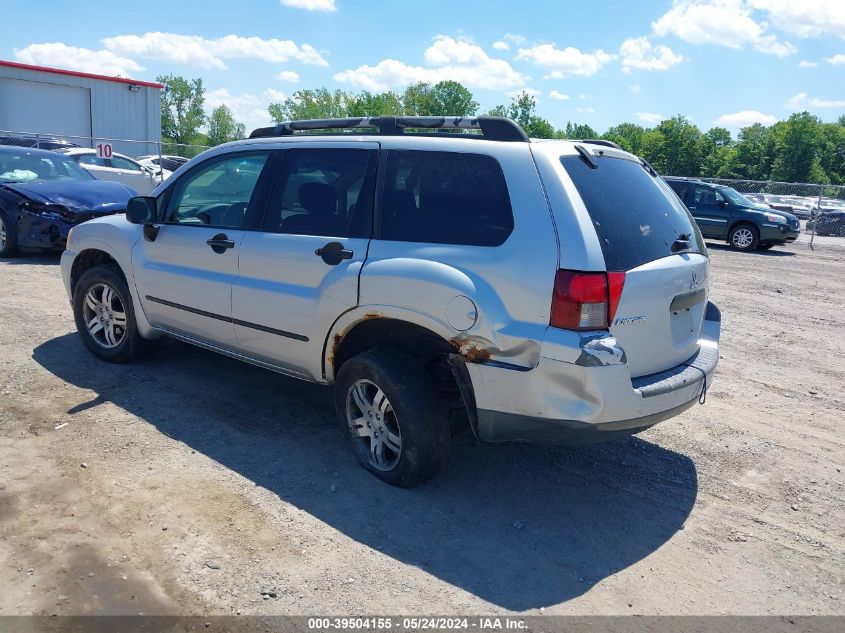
(445, 198)
(636, 216)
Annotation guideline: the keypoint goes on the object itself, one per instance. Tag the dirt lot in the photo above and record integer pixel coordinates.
(194, 484)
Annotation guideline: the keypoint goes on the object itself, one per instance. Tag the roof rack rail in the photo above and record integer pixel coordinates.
(493, 128)
(599, 141)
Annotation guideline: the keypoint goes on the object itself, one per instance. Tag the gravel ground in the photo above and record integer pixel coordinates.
(192, 484)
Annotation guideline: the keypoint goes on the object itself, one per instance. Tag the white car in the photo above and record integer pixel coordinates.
(554, 291)
(170, 162)
(119, 168)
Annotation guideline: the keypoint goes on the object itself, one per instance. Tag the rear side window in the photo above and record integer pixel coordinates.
(445, 198)
(636, 217)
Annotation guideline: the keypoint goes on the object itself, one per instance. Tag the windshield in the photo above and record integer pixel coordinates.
(736, 197)
(26, 166)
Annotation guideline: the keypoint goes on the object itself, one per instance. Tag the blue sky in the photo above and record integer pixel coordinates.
(719, 62)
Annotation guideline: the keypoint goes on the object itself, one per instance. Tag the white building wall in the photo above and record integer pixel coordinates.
(117, 113)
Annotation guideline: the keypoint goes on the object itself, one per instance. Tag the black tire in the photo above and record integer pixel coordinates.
(744, 237)
(130, 343)
(9, 246)
(765, 247)
(414, 409)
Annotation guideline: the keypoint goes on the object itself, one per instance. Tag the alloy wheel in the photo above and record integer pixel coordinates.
(743, 238)
(2, 234)
(373, 424)
(105, 315)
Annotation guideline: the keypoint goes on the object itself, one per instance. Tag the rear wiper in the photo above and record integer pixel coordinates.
(682, 243)
(586, 157)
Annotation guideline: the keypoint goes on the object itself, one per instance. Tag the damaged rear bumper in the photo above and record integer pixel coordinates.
(593, 398)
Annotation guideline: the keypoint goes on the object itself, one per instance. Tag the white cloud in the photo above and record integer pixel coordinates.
(720, 22)
(500, 45)
(61, 55)
(567, 62)
(275, 96)
(559, 96)
(802, 101)
(807, 64)
(836, 60)
(649, 117)
(310, 5)
(805, 18)
(640, 53)
(513, 38)
(198, 51)
(745, 118)
(634, 88)
(585, 110)
(446, 59)
(247, 108)
(288, 75)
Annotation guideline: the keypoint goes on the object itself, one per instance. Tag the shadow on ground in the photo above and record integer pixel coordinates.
(775, 251)
(33, 259)
(519, 526)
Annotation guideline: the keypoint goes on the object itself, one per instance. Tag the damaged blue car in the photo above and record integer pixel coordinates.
(44, 194)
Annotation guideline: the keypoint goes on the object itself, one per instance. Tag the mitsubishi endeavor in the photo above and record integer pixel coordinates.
(438, 272)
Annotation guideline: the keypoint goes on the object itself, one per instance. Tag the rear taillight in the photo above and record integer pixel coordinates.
(585, 301)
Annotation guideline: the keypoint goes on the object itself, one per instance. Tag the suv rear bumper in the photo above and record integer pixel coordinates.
(571, 403)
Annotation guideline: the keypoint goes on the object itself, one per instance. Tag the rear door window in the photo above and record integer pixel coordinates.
(445, 198)
(635, 214)
(325, 191)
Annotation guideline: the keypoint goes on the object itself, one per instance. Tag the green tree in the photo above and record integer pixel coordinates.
(222, 126)
(374, 104)
(577, 131)
(654, 149)
(832, 151)
(629, 136)
(713, 148)
(681, 153)
(523, 110)
(449, 98)
(755, 152)
(310, 104)
(182, 113)
(797, 141)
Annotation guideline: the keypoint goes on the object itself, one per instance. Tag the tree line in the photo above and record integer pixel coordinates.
(801, 148)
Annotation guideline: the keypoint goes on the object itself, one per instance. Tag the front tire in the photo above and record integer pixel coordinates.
(8, 237)
(744, 237)
(105, 316)
(393, 416)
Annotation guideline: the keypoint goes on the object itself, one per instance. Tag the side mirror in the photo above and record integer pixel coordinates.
(723, 203)
(142, 210)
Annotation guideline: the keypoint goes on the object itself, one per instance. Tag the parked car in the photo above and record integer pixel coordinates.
(725, 214)
(779, 203)
(552, 291)
(168, 161)
(44, 194)
(38, 142)
(119, 168)
(828, 223)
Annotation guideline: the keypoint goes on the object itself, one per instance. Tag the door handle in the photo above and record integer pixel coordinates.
(333, 253)
(220, 242)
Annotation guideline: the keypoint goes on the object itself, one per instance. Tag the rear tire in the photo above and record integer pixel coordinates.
(395, 420)
(744, 237)
(105, 316)
(8, 237)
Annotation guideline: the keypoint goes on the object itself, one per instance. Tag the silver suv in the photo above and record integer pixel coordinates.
(440, 273)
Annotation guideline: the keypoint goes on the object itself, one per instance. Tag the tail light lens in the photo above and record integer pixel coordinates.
(585, 301)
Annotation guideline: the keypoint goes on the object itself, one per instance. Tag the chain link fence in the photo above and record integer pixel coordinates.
(820, 208)
(133, 148)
